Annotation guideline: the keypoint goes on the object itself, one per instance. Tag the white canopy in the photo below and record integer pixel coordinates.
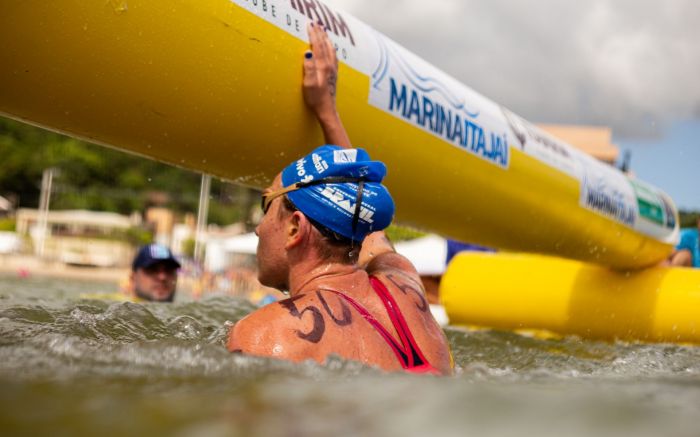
(427, 254)
(244, 243)
(9, 242)
(5, 204)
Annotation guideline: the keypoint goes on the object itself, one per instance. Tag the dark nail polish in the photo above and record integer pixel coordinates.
(308, 55)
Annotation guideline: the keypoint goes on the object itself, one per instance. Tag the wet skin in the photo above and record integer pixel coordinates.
(315, 322)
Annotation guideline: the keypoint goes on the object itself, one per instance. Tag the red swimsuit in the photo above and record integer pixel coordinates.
(407, 352)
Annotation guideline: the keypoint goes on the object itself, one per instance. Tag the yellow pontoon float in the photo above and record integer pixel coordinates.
(516, 291)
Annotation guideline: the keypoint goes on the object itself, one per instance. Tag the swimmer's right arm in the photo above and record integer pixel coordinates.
(378, 254)
(319, 86)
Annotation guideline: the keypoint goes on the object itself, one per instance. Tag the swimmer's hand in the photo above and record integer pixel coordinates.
(320, 72)
(320, 85)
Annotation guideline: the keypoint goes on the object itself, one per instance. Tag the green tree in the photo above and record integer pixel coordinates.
(689, 219)
(99, 178)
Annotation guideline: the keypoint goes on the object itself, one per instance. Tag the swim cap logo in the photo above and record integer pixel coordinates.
(319, 163)
(300, 167)
(346, 155)
(338, 198)
(301, 171)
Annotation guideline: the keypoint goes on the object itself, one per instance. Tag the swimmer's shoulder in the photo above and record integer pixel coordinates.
(267, 331)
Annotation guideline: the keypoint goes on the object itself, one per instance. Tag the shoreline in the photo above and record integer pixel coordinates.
(28, 265)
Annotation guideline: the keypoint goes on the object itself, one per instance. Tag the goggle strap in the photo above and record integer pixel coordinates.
(358, 207)
(328, 180)
(338, 180)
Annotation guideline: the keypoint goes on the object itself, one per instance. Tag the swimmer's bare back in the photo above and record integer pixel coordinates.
(315, 324)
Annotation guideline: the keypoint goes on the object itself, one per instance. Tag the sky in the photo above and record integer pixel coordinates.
(633, 65)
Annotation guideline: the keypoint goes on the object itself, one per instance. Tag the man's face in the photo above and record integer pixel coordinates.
(156, 282)
(271, 254)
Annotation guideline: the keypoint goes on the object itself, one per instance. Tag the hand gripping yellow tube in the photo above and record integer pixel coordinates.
(214, 86)
(519, 291)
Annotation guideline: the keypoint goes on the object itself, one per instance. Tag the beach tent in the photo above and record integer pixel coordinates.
(427, 254)
(5, 205)
(10, 242)
(244, 243)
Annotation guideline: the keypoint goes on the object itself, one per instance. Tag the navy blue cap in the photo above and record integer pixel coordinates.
(335, 205)
(152, 254)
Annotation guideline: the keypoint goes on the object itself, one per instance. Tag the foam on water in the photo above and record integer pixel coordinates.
(81, 367)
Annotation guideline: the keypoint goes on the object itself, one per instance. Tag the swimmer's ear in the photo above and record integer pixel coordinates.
(296, 230)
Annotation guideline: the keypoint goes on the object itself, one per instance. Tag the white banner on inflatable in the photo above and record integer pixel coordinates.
(417, 93)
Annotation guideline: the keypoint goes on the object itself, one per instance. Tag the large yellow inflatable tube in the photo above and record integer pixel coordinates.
(213, 85)
(515, 291)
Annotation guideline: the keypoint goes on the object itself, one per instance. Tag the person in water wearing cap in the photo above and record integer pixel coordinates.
(154, 274)
(321, 239)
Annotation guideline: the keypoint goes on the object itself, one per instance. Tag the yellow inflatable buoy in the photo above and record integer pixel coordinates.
(517, 291)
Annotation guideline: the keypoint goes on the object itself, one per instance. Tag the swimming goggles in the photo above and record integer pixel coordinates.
(267, 198)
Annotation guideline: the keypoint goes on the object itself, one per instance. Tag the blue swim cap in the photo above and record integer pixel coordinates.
(334, 175)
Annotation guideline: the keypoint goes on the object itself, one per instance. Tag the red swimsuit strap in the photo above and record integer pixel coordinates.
(408, 353)
(416, 358)
(386, 335)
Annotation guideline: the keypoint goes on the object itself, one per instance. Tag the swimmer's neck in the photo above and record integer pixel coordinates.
(305, 278)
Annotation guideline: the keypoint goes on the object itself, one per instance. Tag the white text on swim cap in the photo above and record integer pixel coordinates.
(300, 167)
(319, 163)
(338, 197)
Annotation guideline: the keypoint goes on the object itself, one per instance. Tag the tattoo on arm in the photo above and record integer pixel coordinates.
(405, 287)
(319, 326)
(333, 82)
(347, 315)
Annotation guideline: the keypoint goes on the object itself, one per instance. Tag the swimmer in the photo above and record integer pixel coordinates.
(154, 274)
(321, 239)
(687, 253)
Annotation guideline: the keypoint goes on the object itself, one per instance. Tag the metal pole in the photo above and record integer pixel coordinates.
(202, 214)
(44, 200)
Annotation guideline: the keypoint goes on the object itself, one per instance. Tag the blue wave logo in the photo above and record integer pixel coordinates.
(423, 83)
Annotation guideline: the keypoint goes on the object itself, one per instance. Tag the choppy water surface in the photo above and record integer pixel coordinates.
(72, 366)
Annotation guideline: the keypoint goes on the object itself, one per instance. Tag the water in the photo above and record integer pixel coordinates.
(71, 366)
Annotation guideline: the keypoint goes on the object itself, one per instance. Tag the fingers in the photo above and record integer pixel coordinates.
(318, 42)
(320, 71)
(321, 45)
(331, 50)
(313, 37)
(309, 69)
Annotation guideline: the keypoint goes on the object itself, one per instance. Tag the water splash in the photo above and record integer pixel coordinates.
(83, 366)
